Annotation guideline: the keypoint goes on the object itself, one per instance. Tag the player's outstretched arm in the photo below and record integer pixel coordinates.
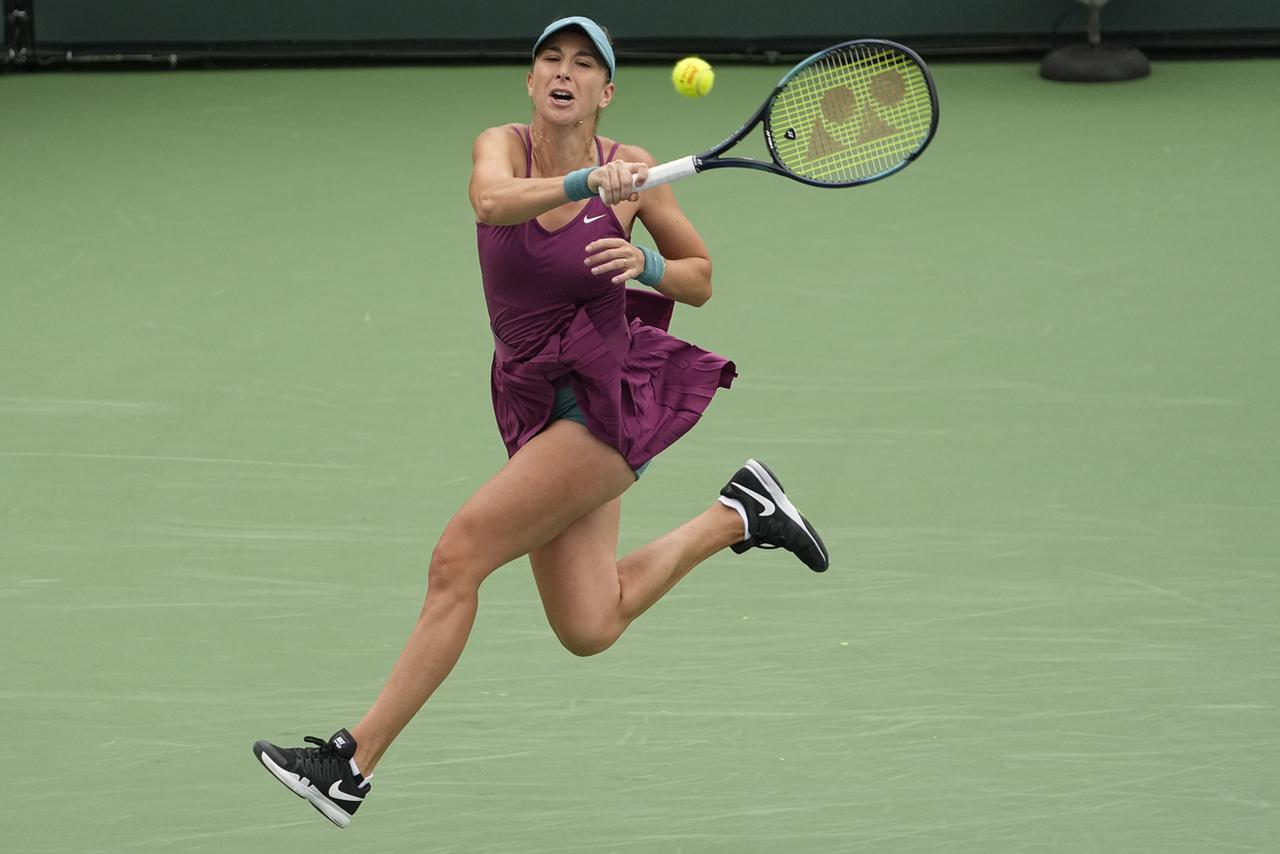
(499, 197)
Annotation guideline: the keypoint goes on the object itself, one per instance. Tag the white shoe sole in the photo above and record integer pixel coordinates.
(307, 792)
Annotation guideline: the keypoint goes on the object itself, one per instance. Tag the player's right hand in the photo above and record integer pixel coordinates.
(618, 179)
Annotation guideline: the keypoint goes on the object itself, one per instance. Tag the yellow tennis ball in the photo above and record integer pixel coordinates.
(693, 77)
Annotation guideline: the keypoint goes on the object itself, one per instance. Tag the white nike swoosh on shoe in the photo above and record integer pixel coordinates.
(306, 791)
(590, 219)
(785, 503)
(764, 502)
(335, 792)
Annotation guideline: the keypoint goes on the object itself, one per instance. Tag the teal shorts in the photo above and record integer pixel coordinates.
(566, 406)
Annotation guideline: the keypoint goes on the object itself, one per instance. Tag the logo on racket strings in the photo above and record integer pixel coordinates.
(840, 105)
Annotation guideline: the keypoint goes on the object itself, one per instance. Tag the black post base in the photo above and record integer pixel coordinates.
(1103, 63)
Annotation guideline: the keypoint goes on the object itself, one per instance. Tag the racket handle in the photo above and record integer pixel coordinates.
(674, 170)
(665, 173)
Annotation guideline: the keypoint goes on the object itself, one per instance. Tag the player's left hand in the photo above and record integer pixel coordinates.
(614, 255)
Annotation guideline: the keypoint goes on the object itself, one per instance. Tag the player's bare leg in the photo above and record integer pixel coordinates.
(556, 478)
(590, 597)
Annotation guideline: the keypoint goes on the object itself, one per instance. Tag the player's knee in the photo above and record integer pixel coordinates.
(455, 565)
(586, 638)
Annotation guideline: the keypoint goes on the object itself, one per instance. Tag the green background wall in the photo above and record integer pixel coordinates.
(93, 21)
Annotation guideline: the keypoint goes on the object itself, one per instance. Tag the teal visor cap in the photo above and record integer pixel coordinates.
(588, 26)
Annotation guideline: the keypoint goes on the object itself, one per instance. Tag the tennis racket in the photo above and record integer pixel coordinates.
(848, 115)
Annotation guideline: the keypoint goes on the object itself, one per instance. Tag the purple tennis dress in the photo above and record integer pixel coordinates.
(639, 388)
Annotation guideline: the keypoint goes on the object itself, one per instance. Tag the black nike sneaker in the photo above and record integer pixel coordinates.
(773, 522)
(324, 775)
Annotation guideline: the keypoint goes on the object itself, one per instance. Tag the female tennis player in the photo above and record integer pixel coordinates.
(587, 388)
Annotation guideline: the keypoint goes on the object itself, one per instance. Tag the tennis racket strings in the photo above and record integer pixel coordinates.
(853, 113)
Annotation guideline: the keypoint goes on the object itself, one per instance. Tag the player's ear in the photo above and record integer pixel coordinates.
(529, 82)
(606, 97)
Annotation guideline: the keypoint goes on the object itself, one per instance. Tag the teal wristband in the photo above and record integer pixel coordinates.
(655, 267)
(575, 184)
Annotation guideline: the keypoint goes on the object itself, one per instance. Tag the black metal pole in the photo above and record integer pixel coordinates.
(1093, 61)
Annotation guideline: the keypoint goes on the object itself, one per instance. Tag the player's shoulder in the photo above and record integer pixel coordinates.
(503, 135)
(633, 153)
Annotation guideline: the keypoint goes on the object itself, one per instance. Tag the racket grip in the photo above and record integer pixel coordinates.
(674, 170)
(665, 173)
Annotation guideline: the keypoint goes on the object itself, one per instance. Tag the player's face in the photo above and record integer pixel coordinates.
(568, 81)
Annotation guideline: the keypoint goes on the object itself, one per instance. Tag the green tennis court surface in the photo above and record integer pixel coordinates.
(1026, 390)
